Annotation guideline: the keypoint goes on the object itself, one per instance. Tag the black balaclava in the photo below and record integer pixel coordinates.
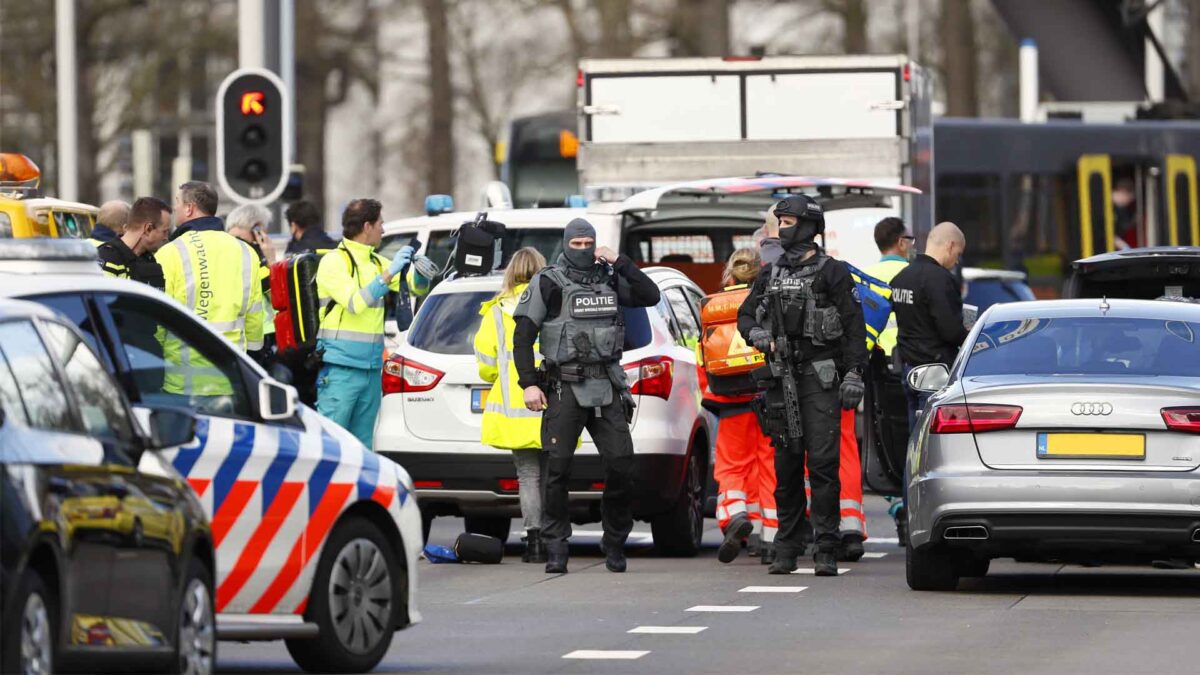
(582, 259)
(810, 222)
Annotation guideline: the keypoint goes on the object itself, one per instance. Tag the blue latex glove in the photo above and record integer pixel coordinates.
(402, 258)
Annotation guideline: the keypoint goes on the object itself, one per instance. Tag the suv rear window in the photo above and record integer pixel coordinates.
(447, 323)
(1087, 346)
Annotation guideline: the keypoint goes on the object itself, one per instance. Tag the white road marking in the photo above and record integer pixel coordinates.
(635, 537)
(605, 654)
(772, 589)
(884, 540)
(668, 630)
(809, 570)
(722, 608)
(874, 554)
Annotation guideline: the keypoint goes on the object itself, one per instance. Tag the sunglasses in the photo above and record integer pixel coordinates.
(910, 238)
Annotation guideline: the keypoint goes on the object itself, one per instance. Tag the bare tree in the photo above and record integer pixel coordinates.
(700, 28)
(440, 141)
(853, 14)
(1193, 50)
(959, 58)
(337, 48)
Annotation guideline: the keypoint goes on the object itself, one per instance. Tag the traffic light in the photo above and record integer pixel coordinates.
(254, 133)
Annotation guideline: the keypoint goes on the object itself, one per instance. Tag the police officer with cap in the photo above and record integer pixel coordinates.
(572, 310)
(822, 324)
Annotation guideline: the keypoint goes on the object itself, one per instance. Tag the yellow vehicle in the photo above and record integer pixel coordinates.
(22, 215)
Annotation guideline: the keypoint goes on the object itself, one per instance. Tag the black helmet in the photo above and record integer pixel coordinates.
(802, 207)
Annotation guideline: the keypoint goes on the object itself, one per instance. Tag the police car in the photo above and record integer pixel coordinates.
(316, 537)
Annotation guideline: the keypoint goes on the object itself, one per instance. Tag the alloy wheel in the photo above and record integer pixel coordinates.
(36, 647)
(197, 634)
(360, 596)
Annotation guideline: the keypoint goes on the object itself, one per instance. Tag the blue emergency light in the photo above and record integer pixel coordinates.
(435, 204)
(575, 202)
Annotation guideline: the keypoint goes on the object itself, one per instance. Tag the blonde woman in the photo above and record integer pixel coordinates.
(506, 422)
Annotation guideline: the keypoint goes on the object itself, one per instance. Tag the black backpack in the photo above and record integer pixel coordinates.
(478, 247)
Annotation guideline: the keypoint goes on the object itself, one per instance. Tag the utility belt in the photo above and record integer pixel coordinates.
(574, 372)
(825, 370)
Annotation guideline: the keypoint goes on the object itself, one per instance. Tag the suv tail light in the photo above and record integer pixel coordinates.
(1182, 419)
(651, 377)
(974, 418)
(405, 376)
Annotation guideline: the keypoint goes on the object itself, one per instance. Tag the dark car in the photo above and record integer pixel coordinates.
(106, 556)
(985, 287)
(1138, 274)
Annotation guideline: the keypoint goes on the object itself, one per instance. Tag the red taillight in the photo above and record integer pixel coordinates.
(735, 59)
(907, 72)
(427, 484)
(1182, 419)
(405, 376)
(974, 418)
(509, 484)
(597, 486)
(651, 377)
(579, 77)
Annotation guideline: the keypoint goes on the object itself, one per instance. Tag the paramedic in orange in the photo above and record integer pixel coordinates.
(745, 460)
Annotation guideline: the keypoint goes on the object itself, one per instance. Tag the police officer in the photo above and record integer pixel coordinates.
(110, 222)
(823, 323)
(584, 386)
(927, 299)
(131, 255)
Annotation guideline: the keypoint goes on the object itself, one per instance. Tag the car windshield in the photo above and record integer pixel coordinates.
(984, 293)
(1087, 346)
(447, 322)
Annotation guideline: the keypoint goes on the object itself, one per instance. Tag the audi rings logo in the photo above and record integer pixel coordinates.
(1091, 408)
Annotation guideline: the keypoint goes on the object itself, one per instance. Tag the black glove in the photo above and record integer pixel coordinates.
(851, 391)
(761, 339)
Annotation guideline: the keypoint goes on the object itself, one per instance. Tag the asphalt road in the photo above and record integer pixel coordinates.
(1028, 619)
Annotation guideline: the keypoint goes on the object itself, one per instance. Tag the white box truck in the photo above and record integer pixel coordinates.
(653, 122)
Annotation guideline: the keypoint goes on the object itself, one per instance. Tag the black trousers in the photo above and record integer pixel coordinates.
(562, 423)
(821, 422)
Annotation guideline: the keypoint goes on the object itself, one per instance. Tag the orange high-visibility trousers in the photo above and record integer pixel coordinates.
(854, 521)
(745, 473)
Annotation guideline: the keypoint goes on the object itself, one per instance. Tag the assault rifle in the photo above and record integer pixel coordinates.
(780, 366)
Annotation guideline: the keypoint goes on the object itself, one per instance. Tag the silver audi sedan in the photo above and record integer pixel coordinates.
(1066, 430)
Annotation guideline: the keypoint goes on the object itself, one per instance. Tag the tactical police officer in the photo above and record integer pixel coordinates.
(804, 313)
(572, 309)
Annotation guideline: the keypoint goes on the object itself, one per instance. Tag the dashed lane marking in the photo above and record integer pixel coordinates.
(884, 540)
(809, 570)
(668, 630)
(722, 608)
(874, 554)
(772, 589)
(606, 654)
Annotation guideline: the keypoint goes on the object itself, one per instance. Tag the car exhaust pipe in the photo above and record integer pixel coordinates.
(1196, 536)
(965, 533)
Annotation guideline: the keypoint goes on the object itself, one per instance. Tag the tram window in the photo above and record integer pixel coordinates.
(974, 203)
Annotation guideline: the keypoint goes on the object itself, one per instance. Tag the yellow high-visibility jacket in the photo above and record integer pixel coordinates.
(885, 270)
(217, 276)
(507, 423)
(351, 278)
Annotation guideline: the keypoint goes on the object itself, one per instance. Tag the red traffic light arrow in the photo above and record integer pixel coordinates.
(252, 103)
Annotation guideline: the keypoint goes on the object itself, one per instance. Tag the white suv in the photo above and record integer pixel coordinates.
(433, 404)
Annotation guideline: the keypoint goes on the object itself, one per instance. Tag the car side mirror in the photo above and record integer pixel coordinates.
(929, 378)
(170, 427)
(276, 401)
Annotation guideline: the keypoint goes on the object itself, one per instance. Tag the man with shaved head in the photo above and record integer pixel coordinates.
(110, 222)
(927, 299)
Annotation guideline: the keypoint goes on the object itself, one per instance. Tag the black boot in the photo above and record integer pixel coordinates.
(825, 563)
(556, 558)
(535, 548)
(614, 558)
(852, 548)
(754, 545)
(901, 517)
(784, 564)
(736, 530)
(767, 553)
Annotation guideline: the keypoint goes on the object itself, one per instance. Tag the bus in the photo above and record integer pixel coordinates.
(537, 161)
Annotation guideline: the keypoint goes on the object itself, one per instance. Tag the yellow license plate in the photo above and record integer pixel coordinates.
(1091, 446)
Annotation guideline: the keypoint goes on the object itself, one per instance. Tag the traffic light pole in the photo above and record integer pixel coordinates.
(65, 80)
